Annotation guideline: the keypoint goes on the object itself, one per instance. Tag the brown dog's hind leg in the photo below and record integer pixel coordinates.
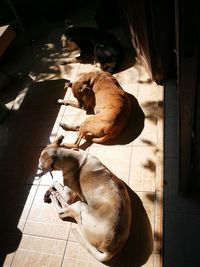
(100, 140)
(82, 131)
(67, 127)
(77, 142)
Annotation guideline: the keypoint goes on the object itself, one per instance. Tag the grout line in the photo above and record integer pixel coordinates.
(46, 237)
(30, 208)
(129, 174)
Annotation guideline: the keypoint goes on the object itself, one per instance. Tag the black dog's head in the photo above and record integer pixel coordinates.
(70, 31)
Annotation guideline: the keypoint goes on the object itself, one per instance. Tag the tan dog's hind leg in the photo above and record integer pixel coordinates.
(99, 255)
(72, 211)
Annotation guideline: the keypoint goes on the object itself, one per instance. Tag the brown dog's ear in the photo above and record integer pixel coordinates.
(85, 89)
(70, 84)
(90, 78)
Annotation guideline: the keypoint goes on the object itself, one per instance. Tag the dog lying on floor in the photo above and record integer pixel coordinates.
(100, 92)
(101, 46)
(92, 195)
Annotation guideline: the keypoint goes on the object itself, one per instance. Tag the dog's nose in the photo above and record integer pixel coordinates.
(40, 170)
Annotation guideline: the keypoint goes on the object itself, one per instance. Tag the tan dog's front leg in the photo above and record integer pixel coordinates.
(65, 211)
(67, 195)
(58, 202)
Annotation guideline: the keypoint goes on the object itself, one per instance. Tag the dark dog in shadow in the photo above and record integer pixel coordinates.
(101, 46)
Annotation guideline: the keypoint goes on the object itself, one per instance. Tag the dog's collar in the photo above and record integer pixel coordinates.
(51, 174)
(52, 167)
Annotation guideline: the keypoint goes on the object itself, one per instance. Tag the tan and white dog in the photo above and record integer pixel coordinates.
(92, 195)
(100, 92)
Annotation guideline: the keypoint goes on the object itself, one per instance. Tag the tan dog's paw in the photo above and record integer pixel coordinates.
(47, 195)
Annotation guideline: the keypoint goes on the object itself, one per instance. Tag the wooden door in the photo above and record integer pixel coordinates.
(151, 30)
(187, 36)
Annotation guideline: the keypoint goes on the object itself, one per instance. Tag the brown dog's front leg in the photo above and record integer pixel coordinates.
(71, 103)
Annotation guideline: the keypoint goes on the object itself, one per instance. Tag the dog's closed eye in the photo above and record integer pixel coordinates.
(85, 89)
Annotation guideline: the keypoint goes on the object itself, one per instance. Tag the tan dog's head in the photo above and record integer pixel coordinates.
(46, 160)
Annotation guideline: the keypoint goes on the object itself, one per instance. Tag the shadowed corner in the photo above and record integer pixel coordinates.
(139, 245)
(9, 244)
(32, 123)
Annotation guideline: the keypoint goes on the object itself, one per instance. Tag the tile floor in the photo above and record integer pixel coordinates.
(33, 235)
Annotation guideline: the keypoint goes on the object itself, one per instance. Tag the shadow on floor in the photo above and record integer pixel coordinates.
(25, 132)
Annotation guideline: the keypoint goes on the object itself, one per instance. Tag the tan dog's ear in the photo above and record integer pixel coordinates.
(58, 140)
(48, 164)
(70, 84)
(67, 84)
(45, 161)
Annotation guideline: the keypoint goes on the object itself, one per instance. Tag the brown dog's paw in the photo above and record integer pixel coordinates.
(61, 101)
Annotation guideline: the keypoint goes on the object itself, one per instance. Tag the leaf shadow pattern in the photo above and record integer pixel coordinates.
(152, 106)
(139, 245)
(150, 164)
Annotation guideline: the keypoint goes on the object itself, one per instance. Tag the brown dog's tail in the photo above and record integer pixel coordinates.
(100, 256)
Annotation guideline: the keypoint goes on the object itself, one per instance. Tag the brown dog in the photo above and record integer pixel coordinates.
(92, 195)
(100, 92)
